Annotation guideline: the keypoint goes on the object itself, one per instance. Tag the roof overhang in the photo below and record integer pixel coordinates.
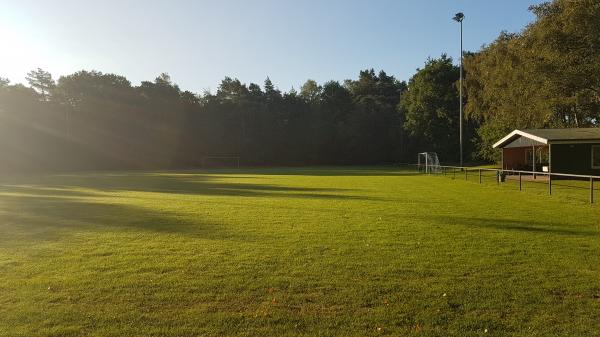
(511, 136)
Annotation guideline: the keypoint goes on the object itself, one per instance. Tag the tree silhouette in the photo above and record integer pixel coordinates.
(41, 81)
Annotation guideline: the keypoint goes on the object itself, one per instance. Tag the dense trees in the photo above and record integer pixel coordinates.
(92, 120)
(430, 107)
(548, 75)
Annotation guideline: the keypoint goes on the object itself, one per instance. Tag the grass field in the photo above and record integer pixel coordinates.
(293, 252)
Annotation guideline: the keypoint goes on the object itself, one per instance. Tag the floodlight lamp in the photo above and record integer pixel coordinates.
(458, 17)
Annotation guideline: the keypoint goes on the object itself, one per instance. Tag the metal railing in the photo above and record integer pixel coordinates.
(502, 176)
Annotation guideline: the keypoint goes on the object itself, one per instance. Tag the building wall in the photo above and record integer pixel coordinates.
(521, 158)
(573, 158)
(513, 158)
(523, 142)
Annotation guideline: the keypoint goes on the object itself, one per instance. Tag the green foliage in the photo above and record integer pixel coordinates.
(430, 108)
(92, 120)
(546, 76)
(375, 126)
(310, 90)
(293, 252)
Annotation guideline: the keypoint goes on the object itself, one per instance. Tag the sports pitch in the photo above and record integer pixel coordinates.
(293, 252)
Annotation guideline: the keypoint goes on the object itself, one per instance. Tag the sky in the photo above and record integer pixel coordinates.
(200, 42)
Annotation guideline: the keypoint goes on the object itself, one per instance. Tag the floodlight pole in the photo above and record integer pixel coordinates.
(461, 95)
(459, 18)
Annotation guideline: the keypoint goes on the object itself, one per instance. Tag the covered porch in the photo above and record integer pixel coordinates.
(535, 158)
(524, 151)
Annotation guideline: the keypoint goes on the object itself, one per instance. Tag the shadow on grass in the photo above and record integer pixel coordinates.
(186, 184)
(342, 172)
(41, 218)
(325, 171)
(47, 207)
(526, 226)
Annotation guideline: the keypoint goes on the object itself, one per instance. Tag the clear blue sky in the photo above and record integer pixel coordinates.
(200, 42)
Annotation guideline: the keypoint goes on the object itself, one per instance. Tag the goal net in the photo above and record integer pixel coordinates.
(221, 161)
(428, 162)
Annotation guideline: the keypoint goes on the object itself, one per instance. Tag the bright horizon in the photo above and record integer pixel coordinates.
(200, 42)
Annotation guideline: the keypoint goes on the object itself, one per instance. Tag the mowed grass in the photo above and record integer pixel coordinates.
(293, 252)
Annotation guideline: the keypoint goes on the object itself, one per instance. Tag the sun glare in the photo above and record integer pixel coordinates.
(18, 57)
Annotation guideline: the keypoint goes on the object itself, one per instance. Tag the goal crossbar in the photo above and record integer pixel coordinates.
(429, 162)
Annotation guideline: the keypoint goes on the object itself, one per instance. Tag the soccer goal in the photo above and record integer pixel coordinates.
(428, 162)
(221, 161)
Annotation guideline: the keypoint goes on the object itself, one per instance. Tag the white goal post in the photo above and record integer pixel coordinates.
(428, 162)
(221, 161)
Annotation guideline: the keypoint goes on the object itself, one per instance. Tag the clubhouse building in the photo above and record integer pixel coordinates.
(573, 151)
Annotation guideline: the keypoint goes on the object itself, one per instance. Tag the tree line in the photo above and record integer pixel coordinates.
(545, 76)
(91, 120)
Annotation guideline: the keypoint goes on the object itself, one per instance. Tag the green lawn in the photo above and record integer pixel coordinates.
(294, 252)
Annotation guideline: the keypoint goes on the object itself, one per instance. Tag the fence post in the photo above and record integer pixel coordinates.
(520, 182)
(480, 176)
(591, 190)
(550, 184)
(498, 178)
(466, 176)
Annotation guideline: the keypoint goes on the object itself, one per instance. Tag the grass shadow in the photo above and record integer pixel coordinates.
(173, 183)
(46, 218)
(342, 172)
(48, 207)
(324, 171)
(526, 226)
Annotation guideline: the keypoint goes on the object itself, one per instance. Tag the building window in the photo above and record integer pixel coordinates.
(596, 156)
